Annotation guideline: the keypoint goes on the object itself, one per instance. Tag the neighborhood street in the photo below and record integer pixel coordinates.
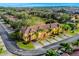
(11, 46)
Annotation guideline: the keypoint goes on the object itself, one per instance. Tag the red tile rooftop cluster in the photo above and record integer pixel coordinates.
(37, 27)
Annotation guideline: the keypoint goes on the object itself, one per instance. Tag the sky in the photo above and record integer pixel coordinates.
(37, 4)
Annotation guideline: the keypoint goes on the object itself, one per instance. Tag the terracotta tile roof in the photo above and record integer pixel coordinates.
(27, 30)
(40, 26)
(54, 25)
(47, 26)
(44, 26)
(23, 29)
(34, 28)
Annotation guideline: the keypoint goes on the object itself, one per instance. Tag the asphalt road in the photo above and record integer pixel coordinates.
(11, 45)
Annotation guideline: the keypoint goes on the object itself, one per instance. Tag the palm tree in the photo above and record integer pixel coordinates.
(52, 52)
(76, 43)
(66, 47)
(66, 27)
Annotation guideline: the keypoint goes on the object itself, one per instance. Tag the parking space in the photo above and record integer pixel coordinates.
(53, 40)
(42, 43)
(58, 38)
(37, 45)
(63, 36)
(45, 42)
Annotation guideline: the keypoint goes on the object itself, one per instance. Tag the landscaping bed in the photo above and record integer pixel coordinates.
(65, 49)
(24, 46)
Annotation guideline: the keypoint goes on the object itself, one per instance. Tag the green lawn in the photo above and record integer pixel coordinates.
(28, 46)
(71, 33)
(77, 31)
(35, 20)
(2, 51)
